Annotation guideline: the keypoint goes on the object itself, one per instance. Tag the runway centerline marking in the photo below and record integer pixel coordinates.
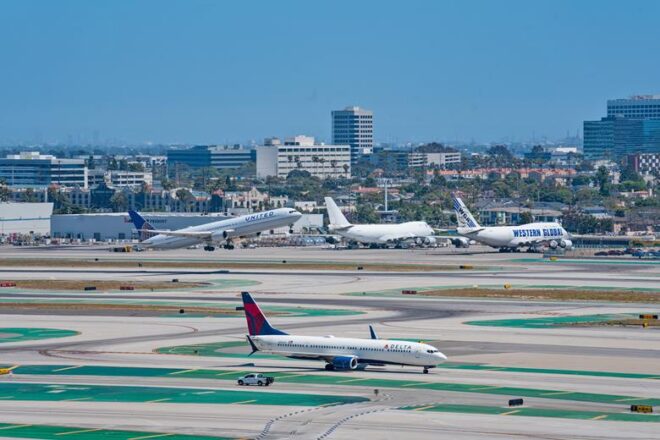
(183, 371)
(227, 372)
(243, 402)
(150, 436)
(422, 408)
(77, 398)
(67, 368)
(158, 400)
(510, 412)
(628, 399)
(487, 387)
(600, 417)
(79, 431)
(352, 380)
(557, 393)
(15, 426)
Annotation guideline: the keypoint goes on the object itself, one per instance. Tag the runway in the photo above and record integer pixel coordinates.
(169, 375)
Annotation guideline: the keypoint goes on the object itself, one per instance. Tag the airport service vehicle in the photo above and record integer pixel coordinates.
(377, 234)
(338, 353)
(210, 234)
(256, 379)
(507, 238)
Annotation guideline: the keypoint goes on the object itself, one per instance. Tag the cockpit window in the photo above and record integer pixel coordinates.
(432, 351)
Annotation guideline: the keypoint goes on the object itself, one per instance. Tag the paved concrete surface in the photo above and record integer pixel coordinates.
(577, 382)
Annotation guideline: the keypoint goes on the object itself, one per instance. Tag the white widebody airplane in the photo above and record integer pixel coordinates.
(504, 238)
(376, 233)
(337, 353)
(220, 232)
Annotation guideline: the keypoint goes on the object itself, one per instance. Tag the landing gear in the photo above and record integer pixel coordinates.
(209, 248)
(229, 246)
(329, 367)
(291, 229)
(426, 371)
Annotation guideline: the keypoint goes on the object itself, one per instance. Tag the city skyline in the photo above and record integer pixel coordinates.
(166, 72)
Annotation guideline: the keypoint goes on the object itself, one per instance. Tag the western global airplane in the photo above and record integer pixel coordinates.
(222, 231)
(376, 233)
(505, 238)
(337, 353)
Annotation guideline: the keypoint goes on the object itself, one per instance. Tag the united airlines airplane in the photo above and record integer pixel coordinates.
(552, 234)
(337, 353)
(216, 232)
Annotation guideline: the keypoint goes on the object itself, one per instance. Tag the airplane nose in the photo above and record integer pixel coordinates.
(441, 356)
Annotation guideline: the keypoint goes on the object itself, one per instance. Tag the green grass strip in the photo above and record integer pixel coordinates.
(116, 393)
(28, 334)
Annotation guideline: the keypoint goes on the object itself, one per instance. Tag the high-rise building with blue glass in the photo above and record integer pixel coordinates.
(354, 126)
(631, 126)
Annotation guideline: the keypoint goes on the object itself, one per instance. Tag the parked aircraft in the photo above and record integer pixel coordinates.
(377, 234)
(337, 353)
(507, 238)
(222, 231)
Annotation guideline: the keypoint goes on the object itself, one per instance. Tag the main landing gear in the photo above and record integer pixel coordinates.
(209, 248)
(426, 371)
(329, 367)
(229, 246)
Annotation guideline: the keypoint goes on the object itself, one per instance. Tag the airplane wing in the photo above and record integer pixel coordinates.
(192, 234)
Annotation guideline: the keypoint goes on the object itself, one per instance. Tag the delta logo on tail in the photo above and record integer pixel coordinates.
(258, 325)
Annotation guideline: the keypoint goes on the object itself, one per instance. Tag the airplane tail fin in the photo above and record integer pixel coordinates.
(372, 332)
(463, 214)
(335, 215)
(143, 227)
(257, 323)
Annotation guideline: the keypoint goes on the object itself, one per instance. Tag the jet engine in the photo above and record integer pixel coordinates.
(566, 244)
(430, 241)
(461, 242)
(345, 362)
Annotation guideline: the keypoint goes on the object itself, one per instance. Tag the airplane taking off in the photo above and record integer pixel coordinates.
(377, 233)
(507, 237)
(338, 353)
(216, 232)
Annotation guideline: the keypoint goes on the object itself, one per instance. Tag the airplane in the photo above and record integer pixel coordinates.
(338, 353)
(507, 238)
(376, 234)
(215, 232)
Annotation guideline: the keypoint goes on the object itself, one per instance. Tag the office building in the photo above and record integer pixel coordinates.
(303, 154)
(635, 107)
(631, 126)
(645, 163)
(206, 156)
(440, 160)
(354, 126)
(35, 170)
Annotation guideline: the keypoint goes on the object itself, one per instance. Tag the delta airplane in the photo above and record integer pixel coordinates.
(507, 238)
(338, 353)
(216, 232)
(375, 233)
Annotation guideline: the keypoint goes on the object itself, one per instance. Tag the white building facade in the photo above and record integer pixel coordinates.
(303, 154)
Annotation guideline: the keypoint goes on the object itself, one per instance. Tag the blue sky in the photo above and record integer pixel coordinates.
(220, 71)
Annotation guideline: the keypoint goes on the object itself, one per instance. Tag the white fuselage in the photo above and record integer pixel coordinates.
(226, 229)
(382, 234)
(516, 236)
(374, 351)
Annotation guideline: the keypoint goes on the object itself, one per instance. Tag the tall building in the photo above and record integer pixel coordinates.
(631, 126)
(31, 169)
(303, 154)
(354, 126)
(635, 107)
